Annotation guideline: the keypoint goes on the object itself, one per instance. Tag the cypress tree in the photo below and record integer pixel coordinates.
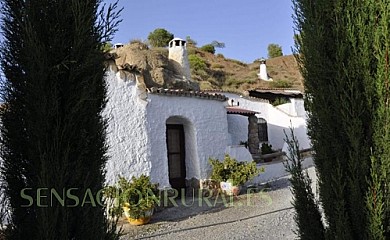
(343, 58)
(52, 132)
(308, 216)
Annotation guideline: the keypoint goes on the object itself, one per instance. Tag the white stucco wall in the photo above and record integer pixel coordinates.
(127, 137)
(136, 133)
(276, 170)
(208, 137)
(238, 131)
(277, 120)
(239, 152)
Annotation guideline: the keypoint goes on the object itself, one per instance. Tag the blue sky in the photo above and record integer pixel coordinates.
(246, 27)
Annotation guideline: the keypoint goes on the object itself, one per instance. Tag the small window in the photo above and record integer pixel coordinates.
(262, 130)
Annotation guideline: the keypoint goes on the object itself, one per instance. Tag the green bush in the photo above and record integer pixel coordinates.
(266, 148)
(274, 50)
(139, 195)
(280, 101)
(208, 48)
(281, 84)
(231, 170)
(197, 63)
(160, 37)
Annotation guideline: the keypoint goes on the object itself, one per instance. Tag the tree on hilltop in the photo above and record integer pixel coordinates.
(274, 50)
(160, 37)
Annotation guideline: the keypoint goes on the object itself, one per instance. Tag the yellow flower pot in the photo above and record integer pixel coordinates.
(137, 221)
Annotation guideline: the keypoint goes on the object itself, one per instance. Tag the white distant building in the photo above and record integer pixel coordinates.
(263, 75)
(178, 53)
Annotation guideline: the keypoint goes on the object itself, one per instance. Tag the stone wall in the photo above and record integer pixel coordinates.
(253, 136)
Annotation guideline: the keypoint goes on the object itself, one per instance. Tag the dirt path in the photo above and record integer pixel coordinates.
(262, 215)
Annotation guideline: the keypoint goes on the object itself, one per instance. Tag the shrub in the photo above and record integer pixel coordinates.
(280, 101)
(281, 84)
(197, 63)
(208, 48)
(139, 195)
(231, 170)
(266, 148)
(160, 37)
(274, 50)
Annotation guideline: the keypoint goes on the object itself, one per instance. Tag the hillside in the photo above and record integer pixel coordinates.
(229, 74)
(210, 71)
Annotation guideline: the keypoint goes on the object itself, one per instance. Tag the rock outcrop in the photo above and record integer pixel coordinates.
(153, 67)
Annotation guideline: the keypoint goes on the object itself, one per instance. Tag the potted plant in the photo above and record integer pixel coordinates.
(232, 174)
(267, 149)
(136, 199)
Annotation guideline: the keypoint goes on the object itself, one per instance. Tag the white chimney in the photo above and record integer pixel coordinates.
(263, 75)
(178, 53)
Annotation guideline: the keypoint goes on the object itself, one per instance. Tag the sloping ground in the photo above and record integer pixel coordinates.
(210, 71)
(229, 74)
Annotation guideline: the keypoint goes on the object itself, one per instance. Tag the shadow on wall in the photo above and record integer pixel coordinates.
(276, 136)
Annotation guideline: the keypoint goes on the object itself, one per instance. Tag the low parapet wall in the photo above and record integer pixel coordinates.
(276, 170)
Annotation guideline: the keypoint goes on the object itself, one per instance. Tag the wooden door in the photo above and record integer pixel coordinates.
(176, 156)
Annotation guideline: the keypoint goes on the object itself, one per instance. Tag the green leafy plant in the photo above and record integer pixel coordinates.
(208, 48)
(274, 50)
(160, 37)
(266, 148)
(233, 171)
(139, 195)
(197, 63)
(280, 101)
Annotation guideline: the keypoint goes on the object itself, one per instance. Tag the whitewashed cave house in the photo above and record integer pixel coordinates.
(170, 131)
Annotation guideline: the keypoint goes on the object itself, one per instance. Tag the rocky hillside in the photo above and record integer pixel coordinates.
(209, 71)
(219, 72)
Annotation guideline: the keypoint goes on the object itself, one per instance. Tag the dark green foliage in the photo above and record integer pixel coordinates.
(160, 37)
(266, 148)
(139, 195)
(208, 48)
(274, 50)
(280, 101)
(307, 216)
(343, 48)
(232, 170)
(52, 131)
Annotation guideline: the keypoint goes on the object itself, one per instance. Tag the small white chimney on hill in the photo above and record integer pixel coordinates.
(263, 75)
(178, 53)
